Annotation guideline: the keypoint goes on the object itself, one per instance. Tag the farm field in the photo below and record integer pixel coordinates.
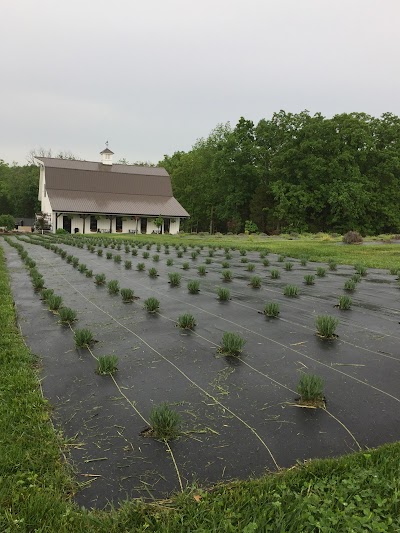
(240, 413)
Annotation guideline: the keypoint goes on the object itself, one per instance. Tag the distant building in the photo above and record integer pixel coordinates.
(91, 197)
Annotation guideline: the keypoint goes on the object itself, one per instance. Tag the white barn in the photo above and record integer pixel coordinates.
(92, 197)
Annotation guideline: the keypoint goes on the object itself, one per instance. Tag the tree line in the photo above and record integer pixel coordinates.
(293, 173)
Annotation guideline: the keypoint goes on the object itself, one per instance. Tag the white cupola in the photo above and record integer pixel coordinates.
(106, 155)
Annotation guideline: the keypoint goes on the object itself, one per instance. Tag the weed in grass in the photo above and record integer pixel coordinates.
(321, 272)
(185, 265)
(117, 258)
(46, 294)
(223, 294)
(82, 268)
(145, 255)
(288, 266)
(275, 274)
(227, 275)
(54, 302)
(360, 269)
(99, 252)
(140, 267)
(89, 273)
(153, 272)
(311, 390)
(170, 262)
(345, 303)
(309, 279)
(186, 321)
(244, 260)
(255, 282)
(272, 310)
(107, 365)
(127, 295)
(225, 264)
(100, 279)
(350, 285)
(231, 344)
(291, 290)
(304, 260)
(174, 279)
(201, 269)
(326, 326)
(208, 260)
(251, 267)
(332, 265)
(83, 338)
(165, 422)
(67, 315)
(193, 286)
(265, 262)
(152, 305)
(113, 286)
(128, 265)
(156, 258)
(109, 255)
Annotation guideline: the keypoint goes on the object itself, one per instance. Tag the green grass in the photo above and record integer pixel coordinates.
(107, 364)
(271, 310)
(231, 344)
(357, 492)
(186, 321)
(165, 422)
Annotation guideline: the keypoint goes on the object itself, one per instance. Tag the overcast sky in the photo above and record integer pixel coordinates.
(152, 76)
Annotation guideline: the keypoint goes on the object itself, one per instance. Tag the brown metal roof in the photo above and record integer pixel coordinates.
(90, 187)
(95, 202)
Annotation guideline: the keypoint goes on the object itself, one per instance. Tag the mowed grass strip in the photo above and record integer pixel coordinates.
(357, 492)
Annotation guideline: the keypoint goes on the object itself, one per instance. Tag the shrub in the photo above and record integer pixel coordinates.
(140, 267)
(201, 269)
(227, 275)
(63, 254)
(75, 262)
(332, 265)
(352, 237)
(89, 273)
(231, 344)
(208, 260)
(99, 252)
(152, 305)
(265, 262)
(185, 265)
(394, 271)
(304, 260)
(193, 286)
(356, 277)
(326, 326)
(291, 291)
(54, 302)
(309, 279)
(186, 321)
(107, 364)
(170, 262)
(275, 274)
(69, 258)
(251, 267)
(113, 286)
(145, 255)
(242, 252)
(165, 422)
(345, 302)
(244, 260)
(179, 254)
(38, 283)
(311, 389)
(223, 294)
(128, 265)
(350, 285)
(194, 255)
(272, 310)
(67, 315)
(117, 258)
(153, 272)
(263, 254)
(321, 272)
(82, 268)
(288, 266)
(225, 264)
(255, 282)
(134, 252)
(83, 338)
(228, 256)
(281, 258)
(46, 294)
(127, 295)
(127, 249)
(174, 279)
(210, 253)
(156, 258)
(360, 269)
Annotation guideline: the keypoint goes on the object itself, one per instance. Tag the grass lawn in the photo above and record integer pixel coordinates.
(358, 492)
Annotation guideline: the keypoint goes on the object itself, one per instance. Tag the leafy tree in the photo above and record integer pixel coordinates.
(7, 221)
